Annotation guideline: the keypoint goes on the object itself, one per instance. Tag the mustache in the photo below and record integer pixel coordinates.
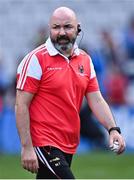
(63, 38)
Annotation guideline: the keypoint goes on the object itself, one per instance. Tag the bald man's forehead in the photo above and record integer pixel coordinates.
(63, 20)
(63, 15)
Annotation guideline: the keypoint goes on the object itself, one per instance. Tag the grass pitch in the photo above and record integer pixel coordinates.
(86, 166)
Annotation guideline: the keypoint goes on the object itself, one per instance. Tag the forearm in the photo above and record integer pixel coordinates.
(102, 111)
(104, 114)
(23, 124)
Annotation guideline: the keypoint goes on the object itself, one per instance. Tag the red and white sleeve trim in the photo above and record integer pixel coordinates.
(29, 66)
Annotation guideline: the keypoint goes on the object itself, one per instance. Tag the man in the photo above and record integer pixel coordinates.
(51, 83)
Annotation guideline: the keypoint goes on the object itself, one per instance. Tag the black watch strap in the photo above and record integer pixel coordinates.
(115, 128)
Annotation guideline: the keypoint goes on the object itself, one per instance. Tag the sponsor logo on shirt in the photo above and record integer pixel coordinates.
(54, 68)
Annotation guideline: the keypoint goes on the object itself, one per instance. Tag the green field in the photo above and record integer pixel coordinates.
(86, 166)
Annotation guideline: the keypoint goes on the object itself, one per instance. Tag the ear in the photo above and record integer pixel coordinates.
(78, 29)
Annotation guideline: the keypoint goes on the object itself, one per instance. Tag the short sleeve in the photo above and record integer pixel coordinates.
(29, 73)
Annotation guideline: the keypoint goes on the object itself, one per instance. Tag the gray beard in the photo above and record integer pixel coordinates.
(63, 48)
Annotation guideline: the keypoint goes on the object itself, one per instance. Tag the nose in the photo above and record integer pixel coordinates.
(62, 31)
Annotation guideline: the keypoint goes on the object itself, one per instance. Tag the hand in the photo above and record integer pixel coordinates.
(116, 137)
(29, 159)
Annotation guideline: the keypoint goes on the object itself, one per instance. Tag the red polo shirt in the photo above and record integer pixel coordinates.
(59, 85)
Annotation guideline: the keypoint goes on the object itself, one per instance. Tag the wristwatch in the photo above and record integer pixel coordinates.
(115, 128)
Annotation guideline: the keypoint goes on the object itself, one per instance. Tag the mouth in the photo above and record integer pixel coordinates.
(63, 40)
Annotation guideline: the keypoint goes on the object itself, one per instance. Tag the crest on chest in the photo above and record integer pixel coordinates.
(81, 68)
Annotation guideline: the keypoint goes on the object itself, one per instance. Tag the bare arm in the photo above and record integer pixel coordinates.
(23, 100)
(28, 156)
(104, 115)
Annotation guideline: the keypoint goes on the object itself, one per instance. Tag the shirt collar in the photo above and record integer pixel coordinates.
(53, 51)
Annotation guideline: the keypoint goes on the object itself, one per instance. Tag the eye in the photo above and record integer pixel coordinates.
(68, 26)
(56, 27)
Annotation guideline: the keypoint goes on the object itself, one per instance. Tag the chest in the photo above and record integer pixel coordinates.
(61, 75)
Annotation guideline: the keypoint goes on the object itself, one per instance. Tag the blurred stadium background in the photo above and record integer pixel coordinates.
(108, 36)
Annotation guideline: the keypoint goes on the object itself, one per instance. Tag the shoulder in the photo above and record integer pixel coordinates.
(82, 52)
(34, 55)
(39, 50)
(32, 58)
(35, 52)
(85, 55)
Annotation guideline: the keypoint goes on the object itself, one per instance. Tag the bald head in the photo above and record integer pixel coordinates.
(64, 14)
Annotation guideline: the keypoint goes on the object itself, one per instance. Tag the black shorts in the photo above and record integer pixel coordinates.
(53, 163)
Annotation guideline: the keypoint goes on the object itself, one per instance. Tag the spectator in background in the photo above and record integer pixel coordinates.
(109, 49)
(129, 39)
(127, 44)
(115, 81)
(116, 84)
